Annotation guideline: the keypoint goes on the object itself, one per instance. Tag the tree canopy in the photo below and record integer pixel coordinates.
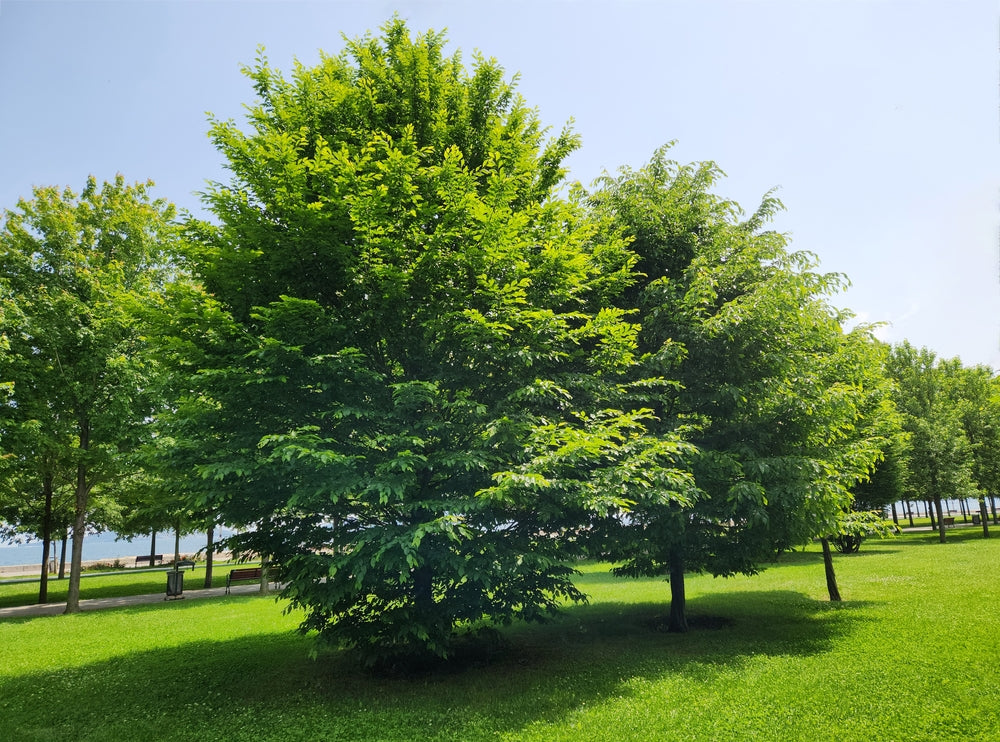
(73, 270)
(422, 359)
(771, 391)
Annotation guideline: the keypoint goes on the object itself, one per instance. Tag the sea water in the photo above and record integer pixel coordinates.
(107, 546)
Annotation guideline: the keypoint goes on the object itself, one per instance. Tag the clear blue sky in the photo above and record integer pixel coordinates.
(877, 120)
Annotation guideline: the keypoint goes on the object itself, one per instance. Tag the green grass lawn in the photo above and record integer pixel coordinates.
(912, 654)
(108, 584)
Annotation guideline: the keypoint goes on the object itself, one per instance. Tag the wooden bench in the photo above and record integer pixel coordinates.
(948, 521)
(250, 574)
(149, 559)
(184, 563)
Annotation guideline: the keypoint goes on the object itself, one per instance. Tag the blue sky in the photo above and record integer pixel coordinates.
(877, 120)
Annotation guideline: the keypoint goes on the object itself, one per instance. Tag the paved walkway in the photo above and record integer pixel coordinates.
(96, 604)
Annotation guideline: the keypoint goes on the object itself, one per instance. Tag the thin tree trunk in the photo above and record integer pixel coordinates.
(963, 507)
(678, 601)
(152, 549)
(177, 545)
(209, 557)
(909, 512)
(43, 582)
(930, 512)
(423, 589)
(831, 576)
(62, 555)
(895, 517)
(265, 578)
(940, 519)
(983, 516)
(79, 523)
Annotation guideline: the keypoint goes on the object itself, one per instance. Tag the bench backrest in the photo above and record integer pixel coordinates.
(245, 573)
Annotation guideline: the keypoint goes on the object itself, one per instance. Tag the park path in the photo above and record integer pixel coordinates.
(95, 604)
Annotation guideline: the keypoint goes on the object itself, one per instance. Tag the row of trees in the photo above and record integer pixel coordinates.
(422, 373)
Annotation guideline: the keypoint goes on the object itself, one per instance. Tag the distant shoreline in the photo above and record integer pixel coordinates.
(34, 570)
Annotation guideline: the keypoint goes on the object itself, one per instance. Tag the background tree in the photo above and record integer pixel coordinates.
(941, 457)
(769, 388)
(72, 270)
(978, 392)
(419, 340)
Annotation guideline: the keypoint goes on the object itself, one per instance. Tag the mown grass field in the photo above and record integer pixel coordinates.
(912, 654)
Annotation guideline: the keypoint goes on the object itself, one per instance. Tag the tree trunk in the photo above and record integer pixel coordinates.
(265, 578)
(963, 507)
(909, 512)
(209, 557)
(62, 556)
(895, 517)
(940, 519)
(993, 505)
(831, 576)
(423, 589)
(930, 512)
(678, 601)
(983, 516)
(43, 582)
(177, 545)
(152, 549)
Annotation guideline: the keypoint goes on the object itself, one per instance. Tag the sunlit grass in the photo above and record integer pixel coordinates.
(910, 655)
(107, 585)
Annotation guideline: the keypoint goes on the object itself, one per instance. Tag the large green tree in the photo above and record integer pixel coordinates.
(73, 269)
(420, 380)
(770, 389)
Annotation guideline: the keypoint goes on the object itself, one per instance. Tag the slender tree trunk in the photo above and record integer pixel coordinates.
(940, 519)
(678, 601)
(43, 582)
(930, 512)
(152, 549)
(963, 507)
(993, 504)
(209, 557)
(79, 522)
(177, 545)
(895, 517)
(62, 555)
(265, 578)
(909, 512)
(423, 589)
(983, 516)
(831, 576)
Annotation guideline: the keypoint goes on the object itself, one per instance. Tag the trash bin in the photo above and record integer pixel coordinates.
(975, 519)
(175, 584)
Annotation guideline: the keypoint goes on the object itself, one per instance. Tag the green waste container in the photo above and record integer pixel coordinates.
(175, 584)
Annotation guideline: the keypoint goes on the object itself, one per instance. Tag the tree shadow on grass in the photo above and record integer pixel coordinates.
(265, 686)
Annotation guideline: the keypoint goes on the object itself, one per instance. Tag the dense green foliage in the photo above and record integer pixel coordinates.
(426, 377)
(782, 405)
(929, 399)
(908, 657)
(73, 271)
(419, 397)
